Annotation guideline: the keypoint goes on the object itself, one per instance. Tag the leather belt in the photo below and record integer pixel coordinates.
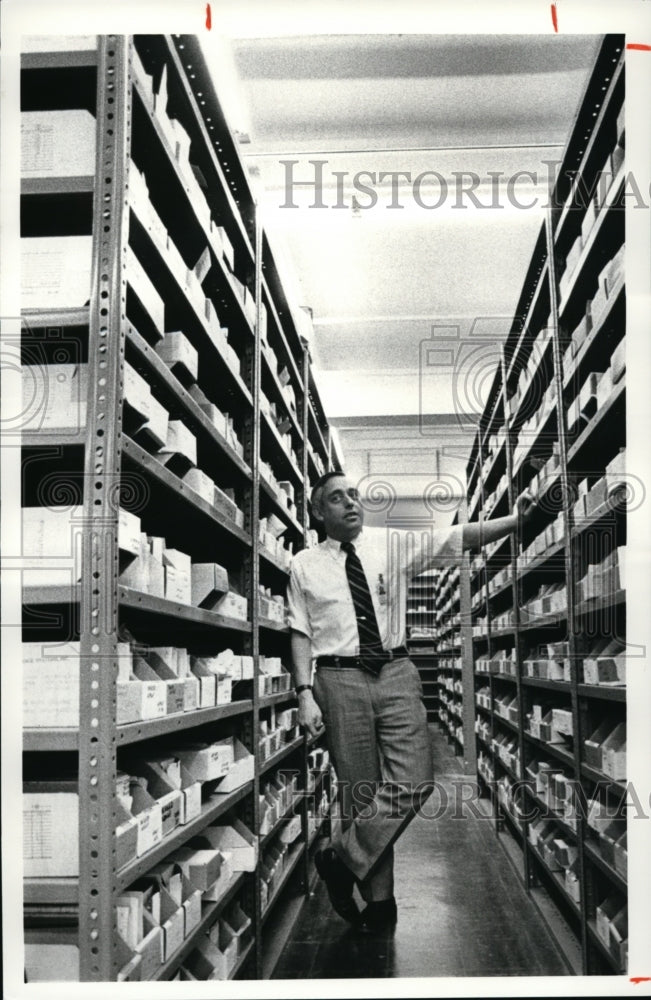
(398, 653)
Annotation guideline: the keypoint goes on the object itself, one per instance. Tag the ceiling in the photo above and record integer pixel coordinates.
(402, 295)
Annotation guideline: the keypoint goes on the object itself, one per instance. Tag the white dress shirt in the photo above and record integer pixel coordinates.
(320, 603)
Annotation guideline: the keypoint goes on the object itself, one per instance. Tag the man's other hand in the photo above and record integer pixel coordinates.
(309, 713)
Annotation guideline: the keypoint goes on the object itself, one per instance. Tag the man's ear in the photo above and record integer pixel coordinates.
(316, 513)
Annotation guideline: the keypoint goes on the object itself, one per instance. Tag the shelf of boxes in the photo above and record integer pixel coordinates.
(186, 453)
(542, 679)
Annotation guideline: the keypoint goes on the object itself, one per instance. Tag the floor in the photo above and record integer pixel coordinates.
(462, 909)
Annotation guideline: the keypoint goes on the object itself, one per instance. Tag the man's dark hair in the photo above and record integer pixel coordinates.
(321, 481)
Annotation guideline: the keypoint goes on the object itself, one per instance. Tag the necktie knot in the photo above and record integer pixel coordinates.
(348, 548)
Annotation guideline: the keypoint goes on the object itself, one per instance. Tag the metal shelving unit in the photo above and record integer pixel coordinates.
(525, 435)
(107, 463)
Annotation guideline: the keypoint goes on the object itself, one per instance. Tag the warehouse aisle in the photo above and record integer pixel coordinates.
(462, 909)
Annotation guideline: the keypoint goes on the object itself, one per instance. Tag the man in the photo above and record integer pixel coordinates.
(347, 602)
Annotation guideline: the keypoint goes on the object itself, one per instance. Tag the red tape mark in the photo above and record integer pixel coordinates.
(641, 979)
(638, 46)
(554, 17)
(208, 17)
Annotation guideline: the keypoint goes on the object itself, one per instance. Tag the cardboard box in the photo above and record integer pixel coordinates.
(57, 143)
(209, 584)
(201, 867)
(207, 682)
(137, 392)
(606, 910)
(207, 762)
(613, 753)
(50, 829)
(155, 428)
(180, 441)
(202, 484)
(621, 855)
(180, 356)
(241, 769)
(235, 839)
(148, 813)
(50, 684)
(55, 272)
(593, 745)
(54, 397)
(138, 701)
(174, 688)
(232, 605)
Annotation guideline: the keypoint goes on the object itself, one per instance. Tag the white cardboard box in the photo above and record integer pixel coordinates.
(50, 829)
(55, 271)
(50, 684)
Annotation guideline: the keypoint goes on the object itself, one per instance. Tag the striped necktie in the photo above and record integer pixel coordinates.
(371, 653)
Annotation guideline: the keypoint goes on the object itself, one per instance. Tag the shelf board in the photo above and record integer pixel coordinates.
(275, 314)
(613, 193)
(281, 455)
(540, 560)
(553, 749)
(601, 947)
(149, 356)
(506, 722)
(57, 185)
(42, 319)
(137, 731)
(276, 699)
(560, 883)
(242, 959)
(595, 857)
(290, 866)
(598, 422)
(211, 810)
(50, 740)
(549, 813)
(602, 779)
(163, 477)
(216, 256)
(51, 891)
(184, 612)
(53, 740)
(563, 687)
(273, 626)
(209, 913)
(603, 692)
(609, 510)
(279, 755)
(600, 603)
(279, 508)
(502, 677)
(165, 273)
(58, 59)
(513, 821)
(595, 333)
(56, 437)
(271, 560)
(264, 838)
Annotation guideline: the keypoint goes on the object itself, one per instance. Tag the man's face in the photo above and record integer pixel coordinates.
(340, 509)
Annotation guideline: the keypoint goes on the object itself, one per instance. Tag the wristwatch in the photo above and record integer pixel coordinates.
(303, 687)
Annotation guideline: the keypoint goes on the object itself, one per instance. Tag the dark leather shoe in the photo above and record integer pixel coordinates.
(339, 881)
(378, 917)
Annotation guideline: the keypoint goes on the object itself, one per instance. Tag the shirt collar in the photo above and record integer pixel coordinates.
(334, 546)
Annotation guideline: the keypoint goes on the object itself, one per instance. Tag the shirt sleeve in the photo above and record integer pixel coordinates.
(437, 547)
(297, 605)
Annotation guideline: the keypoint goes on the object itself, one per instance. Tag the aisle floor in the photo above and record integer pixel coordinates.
(462, 909)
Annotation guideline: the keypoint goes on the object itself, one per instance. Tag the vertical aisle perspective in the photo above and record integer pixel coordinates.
(549, 607)
(172, 431)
